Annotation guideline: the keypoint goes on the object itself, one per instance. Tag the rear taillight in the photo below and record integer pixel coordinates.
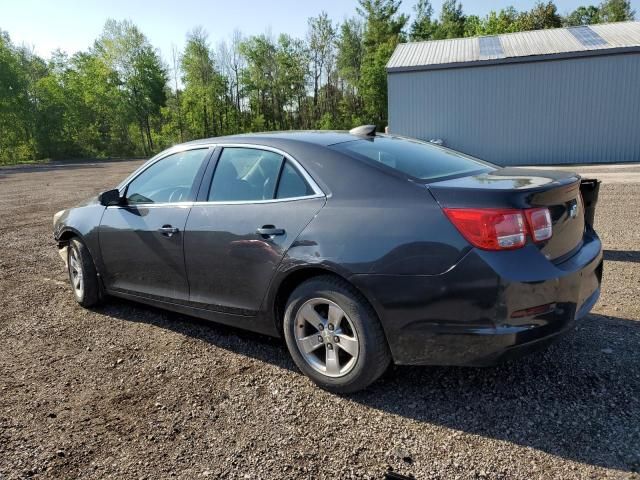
(490, 229)
(539, 220)
(501, 229)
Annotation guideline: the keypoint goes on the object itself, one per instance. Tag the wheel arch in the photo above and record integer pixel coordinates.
(64, 238)
(292, 279)
(66, 235)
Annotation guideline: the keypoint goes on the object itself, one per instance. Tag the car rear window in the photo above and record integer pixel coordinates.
(421, 160)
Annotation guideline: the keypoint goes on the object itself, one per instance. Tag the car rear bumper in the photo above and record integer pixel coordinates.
(478, 313)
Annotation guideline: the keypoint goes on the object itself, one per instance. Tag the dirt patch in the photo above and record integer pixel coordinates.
(130, 391)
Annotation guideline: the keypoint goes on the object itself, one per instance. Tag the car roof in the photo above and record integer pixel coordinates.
(316, 137)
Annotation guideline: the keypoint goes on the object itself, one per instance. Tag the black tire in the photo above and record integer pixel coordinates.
(373, 356)
(89, 294)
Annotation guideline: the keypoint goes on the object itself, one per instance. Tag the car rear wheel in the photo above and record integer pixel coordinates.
(82, 274)
(334, 335)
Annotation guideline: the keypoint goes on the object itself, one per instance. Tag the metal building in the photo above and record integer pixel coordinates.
(566, 95)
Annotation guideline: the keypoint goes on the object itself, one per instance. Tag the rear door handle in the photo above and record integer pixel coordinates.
(168, 230)
(269, 230)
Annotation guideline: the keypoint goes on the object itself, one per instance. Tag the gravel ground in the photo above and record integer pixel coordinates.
(129, 391)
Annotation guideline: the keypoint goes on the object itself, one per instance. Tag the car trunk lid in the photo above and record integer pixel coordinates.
(521, 188)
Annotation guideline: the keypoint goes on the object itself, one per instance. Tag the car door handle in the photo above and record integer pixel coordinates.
(168, 230)
(269, 230)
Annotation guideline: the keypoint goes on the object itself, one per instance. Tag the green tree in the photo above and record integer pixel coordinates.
(292, 61)
(97, 115)
(473, 26)
(504, 21)
(259, 77)
(350, 50)
(231, 64)
(51, 112)
(16, 136)
(616, 11)
(204, 86)
(608, 11)
(583, 16)
(382, 32)
(423, 26)
(143, 76)
(321, 40)
(541, 16)
(452, 21)
(275, 79)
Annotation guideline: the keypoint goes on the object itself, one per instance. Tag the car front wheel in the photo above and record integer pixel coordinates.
(82, 274)
(334, 336)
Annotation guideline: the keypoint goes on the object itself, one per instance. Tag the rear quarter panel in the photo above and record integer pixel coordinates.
(373, 222)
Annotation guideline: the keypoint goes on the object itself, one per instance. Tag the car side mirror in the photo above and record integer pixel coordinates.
(110, 197)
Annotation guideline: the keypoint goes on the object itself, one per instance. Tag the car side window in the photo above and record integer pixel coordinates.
(292, 184)
(245, 174)
(168, 180)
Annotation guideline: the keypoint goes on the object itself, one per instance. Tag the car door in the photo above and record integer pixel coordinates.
(257, 203)
(141, 240)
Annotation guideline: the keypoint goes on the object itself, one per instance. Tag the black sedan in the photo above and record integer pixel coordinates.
(360, 249)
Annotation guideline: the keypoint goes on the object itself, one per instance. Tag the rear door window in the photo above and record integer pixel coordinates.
(245, 174)
(251, 174)
(420, 160)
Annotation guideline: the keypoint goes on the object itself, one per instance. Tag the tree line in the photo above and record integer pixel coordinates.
(120, 98)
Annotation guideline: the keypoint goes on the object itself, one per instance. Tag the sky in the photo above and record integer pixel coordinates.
(73, 25)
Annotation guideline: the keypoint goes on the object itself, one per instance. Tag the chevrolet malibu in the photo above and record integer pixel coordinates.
(360, 249)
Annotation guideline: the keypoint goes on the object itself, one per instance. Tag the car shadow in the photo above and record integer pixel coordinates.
(622, 255)
(575, 400)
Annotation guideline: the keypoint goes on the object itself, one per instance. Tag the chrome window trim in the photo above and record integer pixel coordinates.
(300, 169)
(318, 193)
(154, 205)
(230, 202)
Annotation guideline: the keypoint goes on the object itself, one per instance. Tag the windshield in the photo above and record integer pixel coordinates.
(421, 160)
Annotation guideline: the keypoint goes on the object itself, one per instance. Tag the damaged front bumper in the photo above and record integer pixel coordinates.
(64, 254)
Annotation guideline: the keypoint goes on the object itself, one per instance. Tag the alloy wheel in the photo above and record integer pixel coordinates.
(326, 337)
(75, 272)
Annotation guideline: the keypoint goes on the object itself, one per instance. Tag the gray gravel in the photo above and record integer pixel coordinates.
(134, 392)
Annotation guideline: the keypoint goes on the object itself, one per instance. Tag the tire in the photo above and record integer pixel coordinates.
(352, 354)
(86, 286)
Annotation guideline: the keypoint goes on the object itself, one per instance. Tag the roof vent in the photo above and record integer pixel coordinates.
(364, 130)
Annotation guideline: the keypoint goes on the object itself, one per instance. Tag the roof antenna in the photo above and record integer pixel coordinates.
(364, 130)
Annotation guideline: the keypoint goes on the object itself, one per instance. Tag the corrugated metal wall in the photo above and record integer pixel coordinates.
(583, 110)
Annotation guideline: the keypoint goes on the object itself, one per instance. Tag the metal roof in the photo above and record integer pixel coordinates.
(517, 47)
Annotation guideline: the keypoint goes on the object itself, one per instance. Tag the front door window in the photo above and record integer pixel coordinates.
(168, 181)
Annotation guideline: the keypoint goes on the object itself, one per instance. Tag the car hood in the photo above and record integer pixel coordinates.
(88, 202)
